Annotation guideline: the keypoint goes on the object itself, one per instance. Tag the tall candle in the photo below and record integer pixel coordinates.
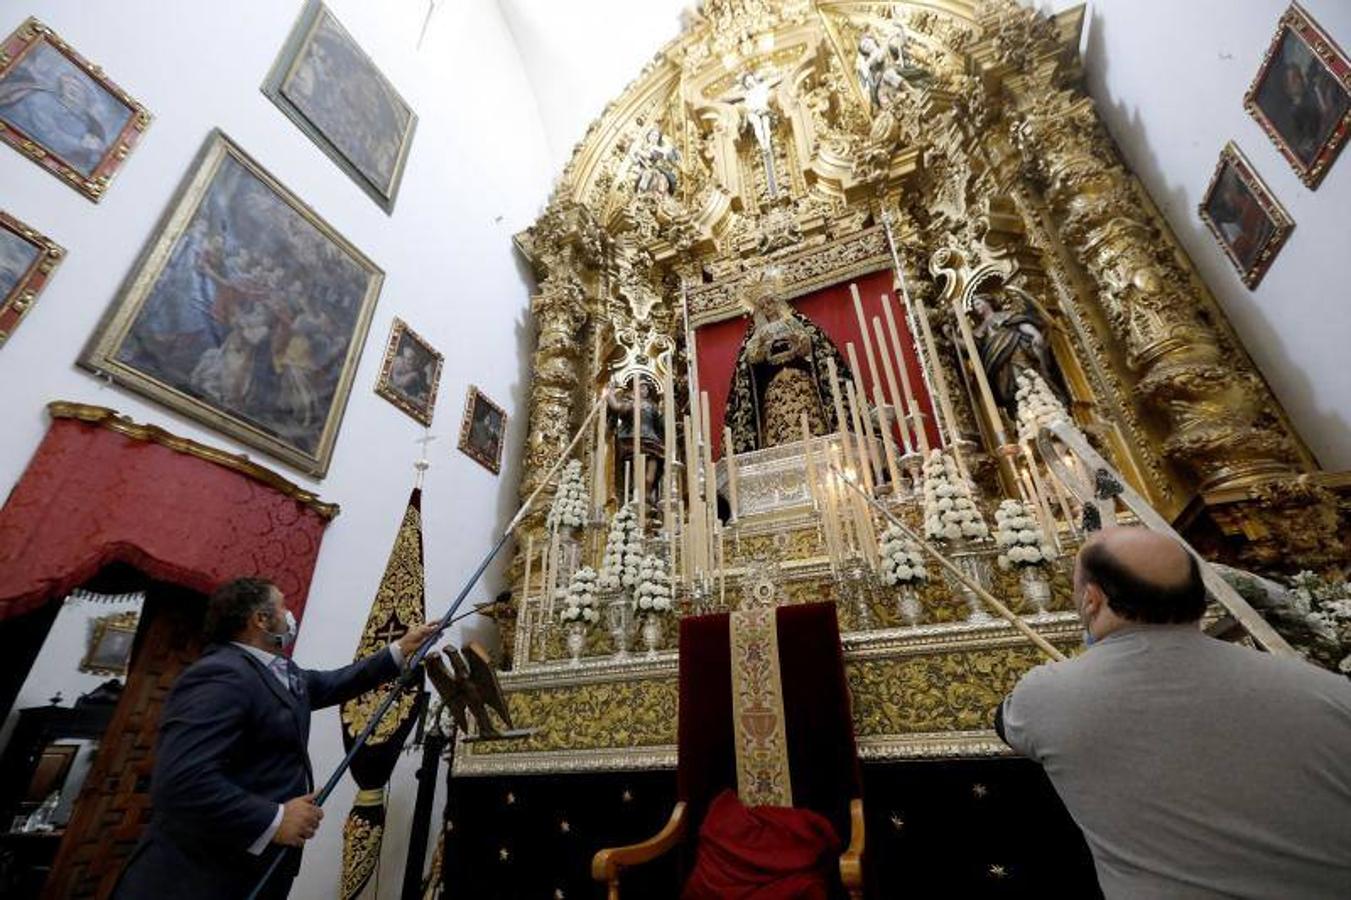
(982, 382)
(858, 397)
(912, 408)
(668, 463)
(640, 490)
(856, 416)
(867, 340)
(730, 457)
(838, 401)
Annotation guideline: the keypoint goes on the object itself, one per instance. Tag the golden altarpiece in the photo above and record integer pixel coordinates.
(766, 159)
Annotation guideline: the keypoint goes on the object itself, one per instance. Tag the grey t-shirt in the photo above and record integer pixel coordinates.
(1196, 768)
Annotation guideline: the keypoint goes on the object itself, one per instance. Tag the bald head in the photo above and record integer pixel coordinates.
(1145, 576)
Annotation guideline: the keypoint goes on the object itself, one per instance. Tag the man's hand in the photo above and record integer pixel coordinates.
(409, 643)
(299, 821)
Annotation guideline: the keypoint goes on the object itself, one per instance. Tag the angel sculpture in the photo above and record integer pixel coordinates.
(472, 687)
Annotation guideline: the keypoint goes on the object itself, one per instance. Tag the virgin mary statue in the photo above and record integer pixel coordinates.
(780, 373)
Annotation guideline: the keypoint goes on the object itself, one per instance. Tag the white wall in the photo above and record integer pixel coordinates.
(478, 172)
(1169, 78)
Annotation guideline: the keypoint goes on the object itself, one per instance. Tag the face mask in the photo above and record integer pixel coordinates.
(1089, 639)
(282, 640)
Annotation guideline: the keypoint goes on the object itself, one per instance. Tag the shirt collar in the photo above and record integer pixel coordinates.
(267, 659)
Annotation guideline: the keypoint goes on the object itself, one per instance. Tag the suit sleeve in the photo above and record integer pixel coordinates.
(340, 685)
(200, 729)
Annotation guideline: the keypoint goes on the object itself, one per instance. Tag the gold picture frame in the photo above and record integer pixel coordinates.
(110, 644)
(483, 430)
(1247, 221)
(27, 260)
(1301, 95)
(37, 69)
(410, 372)
(240, 271)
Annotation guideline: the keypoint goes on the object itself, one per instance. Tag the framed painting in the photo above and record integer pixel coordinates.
(110, 644)
(27, 260)
(246, 312)
(62, 112)
(410, 373)
(482, 430)
(1245, 218)
(1302, 95)
(331, 89)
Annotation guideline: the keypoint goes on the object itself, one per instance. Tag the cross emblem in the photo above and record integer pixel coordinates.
(392, 630)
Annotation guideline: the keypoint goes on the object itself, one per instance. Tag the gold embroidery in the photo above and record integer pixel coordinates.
(760, 732)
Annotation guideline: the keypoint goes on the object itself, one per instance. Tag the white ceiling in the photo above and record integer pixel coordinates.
(579, 55)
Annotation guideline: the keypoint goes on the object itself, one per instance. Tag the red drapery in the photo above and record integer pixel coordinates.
(92, 496)
(832, 309)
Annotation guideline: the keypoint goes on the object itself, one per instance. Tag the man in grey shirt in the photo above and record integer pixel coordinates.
(1196, 768)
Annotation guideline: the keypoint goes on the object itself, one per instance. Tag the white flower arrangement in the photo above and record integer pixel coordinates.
(1020, 540)
(578, 599)
(569, 508)
(1326, 608)
(902, 560)
(1037, 404)
(623, 552)
(949, 512)
(653, 591)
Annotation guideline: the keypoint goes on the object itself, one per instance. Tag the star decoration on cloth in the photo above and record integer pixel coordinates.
(503, 854)
(627, 796)
(450, 824)
(979, 790)
(565, 827)
(998, 871)
(511, 799)
(559, 895)
(897, 822)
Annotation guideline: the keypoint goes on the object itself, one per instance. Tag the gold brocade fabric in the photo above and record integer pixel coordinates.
(758, 723)
(790, 393)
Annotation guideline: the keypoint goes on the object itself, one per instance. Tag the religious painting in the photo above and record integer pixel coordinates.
(247, 312)
(410, 373)
(1245, 218)
(483, 430)
(329, 87)
(110, 644)
(61, 111)
(1302, 95)
(27, 260)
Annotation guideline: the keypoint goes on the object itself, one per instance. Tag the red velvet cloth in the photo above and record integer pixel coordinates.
(91, 496)
(762, 853)
(832, 309)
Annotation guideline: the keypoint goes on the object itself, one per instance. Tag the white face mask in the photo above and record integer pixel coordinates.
(282, 640)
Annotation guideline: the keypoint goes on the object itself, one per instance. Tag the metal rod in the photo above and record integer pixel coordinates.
(1009, 615)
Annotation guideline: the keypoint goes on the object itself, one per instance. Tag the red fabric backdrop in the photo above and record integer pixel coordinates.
(91, 496)
(832, 309)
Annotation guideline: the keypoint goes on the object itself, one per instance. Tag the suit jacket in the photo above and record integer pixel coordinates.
(232, 745)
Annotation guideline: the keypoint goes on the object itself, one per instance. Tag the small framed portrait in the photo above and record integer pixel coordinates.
(246, 312)
(62, 112)
(110, 643)
(1302, 95)
(327, 85)
(1243, 215)
(27, 260)
(410, 373)
(482, 430)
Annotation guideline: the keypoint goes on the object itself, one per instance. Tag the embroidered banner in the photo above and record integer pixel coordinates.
(757, 710)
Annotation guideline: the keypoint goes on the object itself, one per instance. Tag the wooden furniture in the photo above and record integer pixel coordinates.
(823, 761)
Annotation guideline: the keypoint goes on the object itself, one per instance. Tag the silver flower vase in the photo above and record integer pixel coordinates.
(910, 608)
(651, 633)
(974, 563)
(1036, 587)
(619, 616)
(576, 642)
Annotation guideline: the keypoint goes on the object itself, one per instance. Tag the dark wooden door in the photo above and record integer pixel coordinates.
(114, 804)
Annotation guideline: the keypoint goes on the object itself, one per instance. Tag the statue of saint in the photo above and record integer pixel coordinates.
(780, 374)
(657, 162)
(1010, 342)
(758, 116)
(651, 436)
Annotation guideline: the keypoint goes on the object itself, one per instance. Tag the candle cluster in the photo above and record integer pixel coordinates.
(902, 560)
(1037, 404)
(570, 500)
(1020, 541)
(579, 597)
(623, 551)
(949, 512)
(653, 591)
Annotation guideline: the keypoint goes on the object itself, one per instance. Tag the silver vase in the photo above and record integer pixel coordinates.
(576, 642)
(1036, 587)
(974, 563)
(910, 608)
(619, 616)
(651, 633)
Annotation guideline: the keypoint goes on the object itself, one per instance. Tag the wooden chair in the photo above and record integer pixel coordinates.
(822, 758)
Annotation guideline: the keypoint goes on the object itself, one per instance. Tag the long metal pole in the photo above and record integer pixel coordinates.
(926, 360)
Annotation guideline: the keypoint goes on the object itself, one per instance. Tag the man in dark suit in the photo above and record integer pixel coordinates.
(232, 776)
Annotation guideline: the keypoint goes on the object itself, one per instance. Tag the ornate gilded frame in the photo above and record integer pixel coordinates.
(100, 354)
(286, 62)
(118, 623)
(472, 399)
(20, 299)
(15, 47)
(1280, 220)
(1299, 23)
(386, 389)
